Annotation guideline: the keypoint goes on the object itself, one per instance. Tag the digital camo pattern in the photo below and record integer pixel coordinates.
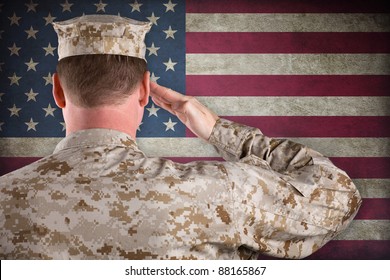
(99, 197)
(101, 34)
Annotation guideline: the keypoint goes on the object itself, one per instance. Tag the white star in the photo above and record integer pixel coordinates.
(49, 110)
(153, 50)
(1, 124)
(31, 33)
(31, 95)
(14, 19)
(31, 6)
(152, 110)
(1, 94)
(14, 50)
(31, 124)
(14, 79)
(63, 126)
(136, 6)
(66, 6)
(170, 125)
(170, 6)
(139, 127)
(170, 33)
(153, 19)
(49, 50)
(49, 19)
(100, 6)
(170, 65)
(14, 111)
(48, 79)
(154, 78)
(31, 65)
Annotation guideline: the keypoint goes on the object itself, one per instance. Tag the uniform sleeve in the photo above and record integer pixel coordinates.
(288, 200)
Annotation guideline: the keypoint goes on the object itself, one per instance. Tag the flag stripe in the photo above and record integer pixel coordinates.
(366, 230)
(287, 6)
(288, 64)
(375, 209)
(349, 250)
(9, 164)
(284, 85)
(195, 147)
(352, 250)
(298, 106)
(315, 126)
(373, 188)
(365, 168)
(300, 22)
(369, 188)
(287, 42)
(356, 167)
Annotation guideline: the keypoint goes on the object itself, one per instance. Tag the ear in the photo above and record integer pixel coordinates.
(145, 90)
(58, 92)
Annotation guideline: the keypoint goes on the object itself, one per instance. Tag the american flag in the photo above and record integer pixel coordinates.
(313, 71)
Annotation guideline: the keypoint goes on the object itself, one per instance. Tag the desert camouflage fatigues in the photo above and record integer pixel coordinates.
(99, 197)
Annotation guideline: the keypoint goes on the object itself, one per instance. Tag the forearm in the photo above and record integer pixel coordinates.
(291, 199)
(235, 142)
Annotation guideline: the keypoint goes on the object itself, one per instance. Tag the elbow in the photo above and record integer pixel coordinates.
(345, 202)
(351, 209)
(349, 200)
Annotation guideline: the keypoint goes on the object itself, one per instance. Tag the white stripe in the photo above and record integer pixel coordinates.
(312, 22)
(194, 147)
(348, 147)
(298, 106)
(366, 230)
(288, 64)
(373, 188)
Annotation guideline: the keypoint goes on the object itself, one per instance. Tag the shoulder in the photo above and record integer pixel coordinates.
(28, 172)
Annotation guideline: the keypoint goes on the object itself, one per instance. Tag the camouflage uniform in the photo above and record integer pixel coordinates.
(99, 197)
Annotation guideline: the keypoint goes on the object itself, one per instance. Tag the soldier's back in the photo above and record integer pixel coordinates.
(98, 196)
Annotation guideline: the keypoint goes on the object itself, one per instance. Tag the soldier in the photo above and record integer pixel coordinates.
(98, 196)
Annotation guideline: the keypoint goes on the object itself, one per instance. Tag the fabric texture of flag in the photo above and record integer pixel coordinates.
(317, 72)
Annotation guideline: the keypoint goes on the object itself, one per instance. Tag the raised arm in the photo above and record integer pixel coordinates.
(287, 199)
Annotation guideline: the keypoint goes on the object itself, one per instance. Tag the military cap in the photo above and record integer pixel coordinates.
(101, 34)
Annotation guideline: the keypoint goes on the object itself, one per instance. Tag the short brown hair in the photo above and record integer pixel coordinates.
(100, 79)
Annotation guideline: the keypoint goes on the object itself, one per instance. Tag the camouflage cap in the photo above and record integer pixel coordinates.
(101, 34)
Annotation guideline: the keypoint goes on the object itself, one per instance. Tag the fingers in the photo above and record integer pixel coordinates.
(160, 102)
(198, 118)
(164, 93)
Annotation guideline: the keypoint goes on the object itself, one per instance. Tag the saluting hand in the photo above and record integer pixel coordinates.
(198, 118)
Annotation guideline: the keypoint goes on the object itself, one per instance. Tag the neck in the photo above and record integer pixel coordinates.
(110, 117)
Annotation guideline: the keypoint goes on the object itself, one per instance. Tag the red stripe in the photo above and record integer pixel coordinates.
(356, 167)
(374, 209)
(350, 250)
(364, 167)
(287, 6)
(9, 164)
(281, 126)
(287, 42)
(288, 85)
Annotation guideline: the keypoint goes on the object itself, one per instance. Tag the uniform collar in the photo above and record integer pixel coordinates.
(96, 137)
